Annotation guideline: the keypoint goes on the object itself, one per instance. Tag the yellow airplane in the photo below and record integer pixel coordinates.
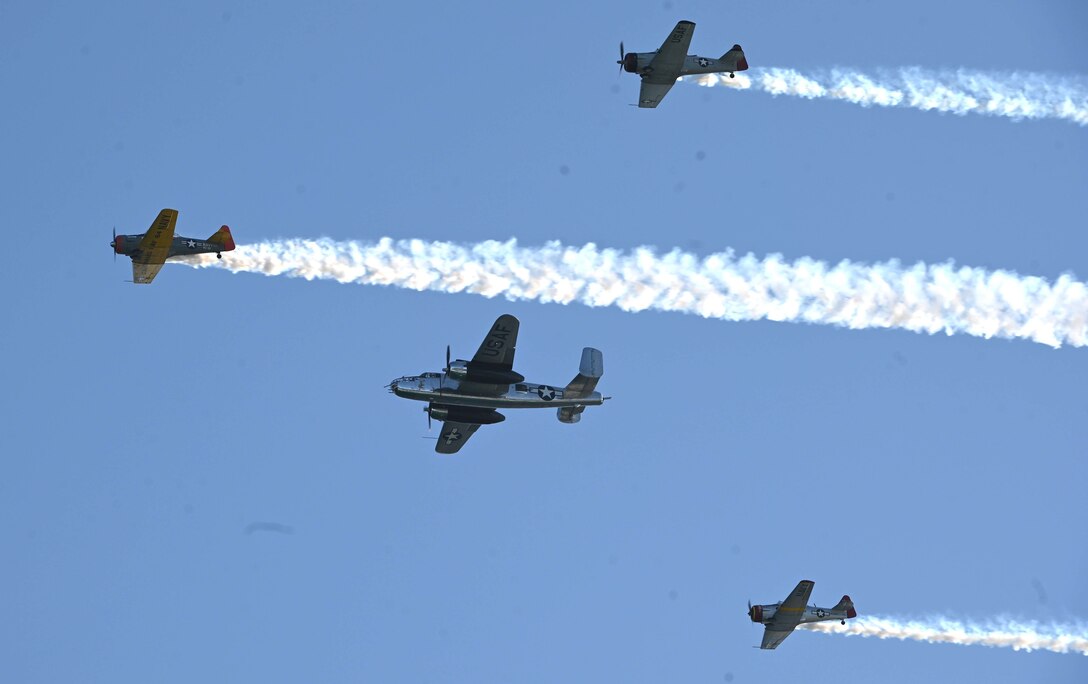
(150, 250)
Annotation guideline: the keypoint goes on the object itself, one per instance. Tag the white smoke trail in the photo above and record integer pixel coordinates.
(922, 298)
(1002, 633)
(1013, 95)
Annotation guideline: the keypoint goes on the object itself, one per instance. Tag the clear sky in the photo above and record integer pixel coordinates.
(145, 429)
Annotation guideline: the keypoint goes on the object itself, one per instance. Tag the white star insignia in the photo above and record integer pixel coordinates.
(703, 61)
(192, 244)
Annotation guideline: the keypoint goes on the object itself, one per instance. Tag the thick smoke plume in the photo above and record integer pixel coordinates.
(1001, 633)
(928, 298)
(1012, 95)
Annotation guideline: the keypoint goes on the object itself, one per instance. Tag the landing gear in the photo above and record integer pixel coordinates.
(218, 255)
(732, 75)
(843, 621)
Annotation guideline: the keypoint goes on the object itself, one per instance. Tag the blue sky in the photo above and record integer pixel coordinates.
(146, 427)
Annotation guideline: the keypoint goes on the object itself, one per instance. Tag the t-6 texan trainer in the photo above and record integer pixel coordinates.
(659, 70)
(466, 394)
(783, 617)
(150, 250)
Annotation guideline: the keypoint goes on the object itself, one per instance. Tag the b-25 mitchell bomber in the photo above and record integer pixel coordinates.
(150, 250)
(465, 394)
(780, 619)
(660, 69)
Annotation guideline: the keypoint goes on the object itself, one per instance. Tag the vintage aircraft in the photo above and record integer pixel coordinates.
(150, 250)
(466, 393)
(659, 70)
(783, 617)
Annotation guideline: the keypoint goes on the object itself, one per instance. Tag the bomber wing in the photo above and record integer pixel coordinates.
(788, 615)
(493, 359)
(153, 249)
(666, 65)
(454, 435)
(496, 352)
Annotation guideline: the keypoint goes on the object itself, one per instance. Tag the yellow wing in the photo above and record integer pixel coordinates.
(152, 251)
(143, 274)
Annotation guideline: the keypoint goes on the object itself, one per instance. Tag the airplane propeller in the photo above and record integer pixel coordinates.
(622, 53)
(113, 244)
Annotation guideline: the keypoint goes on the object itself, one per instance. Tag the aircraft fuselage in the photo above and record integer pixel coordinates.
(639, 63)
(129, 245)
(765, 614)
(441, 389)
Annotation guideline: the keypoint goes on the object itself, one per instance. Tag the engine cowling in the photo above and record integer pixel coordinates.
(762, 614)
(630, 63)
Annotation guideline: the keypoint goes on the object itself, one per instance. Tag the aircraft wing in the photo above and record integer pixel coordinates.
(496, 352)
(666, 65)
(651, 94)
(454, 435)
(143, 274)
(794, 605)
(670, 58)
(153, 249)
(495, 355)
(773, 637)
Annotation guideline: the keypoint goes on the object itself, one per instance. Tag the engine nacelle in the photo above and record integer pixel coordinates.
(462, 414)
(458, 369)
(476, 372)
(630, 63)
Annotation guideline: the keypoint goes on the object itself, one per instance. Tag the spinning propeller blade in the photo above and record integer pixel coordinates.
(620, 62)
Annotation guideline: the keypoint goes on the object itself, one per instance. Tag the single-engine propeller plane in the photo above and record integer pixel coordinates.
(150, 250)
(659, 70)
(780, 619)
(465, 394)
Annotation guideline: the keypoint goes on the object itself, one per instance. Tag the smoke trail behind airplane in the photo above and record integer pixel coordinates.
(921, 298)
(1000, 633)
(1013, 95)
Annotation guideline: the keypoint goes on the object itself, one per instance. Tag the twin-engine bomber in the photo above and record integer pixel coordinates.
(465, 394)
(150, 250)
(659, 70)
(780, 619)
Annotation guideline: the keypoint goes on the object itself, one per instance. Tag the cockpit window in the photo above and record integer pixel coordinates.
(431, 375)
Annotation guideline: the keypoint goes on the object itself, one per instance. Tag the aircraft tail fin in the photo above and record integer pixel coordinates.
(736, 56)
(590, 370)
(223, 237)
(847, 605)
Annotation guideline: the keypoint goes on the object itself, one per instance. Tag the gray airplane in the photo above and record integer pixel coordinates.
(660, 69)
(783, 617)
(465, 395)
(150, 250)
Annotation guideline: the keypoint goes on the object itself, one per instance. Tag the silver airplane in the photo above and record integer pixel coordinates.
(783, 617)
(466, 393)
(660, 69)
